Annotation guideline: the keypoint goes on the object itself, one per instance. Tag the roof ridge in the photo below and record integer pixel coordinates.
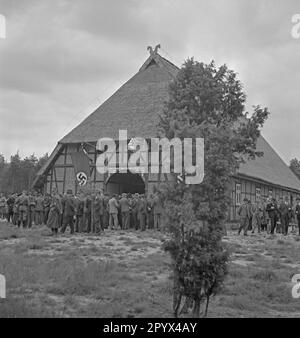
(158, 59)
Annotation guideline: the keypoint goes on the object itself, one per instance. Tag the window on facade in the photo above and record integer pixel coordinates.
(257, 194)
(270, 193)
(238, 194)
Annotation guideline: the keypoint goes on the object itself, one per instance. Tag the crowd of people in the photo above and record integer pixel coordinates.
(96, 211)
(269, 215)
(82, 212)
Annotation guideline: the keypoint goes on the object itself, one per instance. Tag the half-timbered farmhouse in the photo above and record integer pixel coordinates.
(135, 107)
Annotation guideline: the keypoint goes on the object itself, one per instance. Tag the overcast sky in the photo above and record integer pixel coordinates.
(61, 59)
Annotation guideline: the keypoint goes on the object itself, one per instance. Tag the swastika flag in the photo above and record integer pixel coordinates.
(81, 163)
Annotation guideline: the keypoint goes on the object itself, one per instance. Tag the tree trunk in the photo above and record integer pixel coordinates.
(206, 308)
(176, 294)
(196, 309)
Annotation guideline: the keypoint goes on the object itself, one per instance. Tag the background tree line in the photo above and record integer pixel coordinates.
(18, 174)
(295, 167)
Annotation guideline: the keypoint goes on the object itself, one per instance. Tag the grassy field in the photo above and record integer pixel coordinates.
(126, 274)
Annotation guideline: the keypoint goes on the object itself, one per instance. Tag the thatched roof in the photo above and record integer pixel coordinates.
(269, 168)
(135, 107)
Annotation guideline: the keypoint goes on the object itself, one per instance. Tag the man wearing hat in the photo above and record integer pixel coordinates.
(23, 209)
(243, 212)
(69, 210)
(285, 212)
(297, 212)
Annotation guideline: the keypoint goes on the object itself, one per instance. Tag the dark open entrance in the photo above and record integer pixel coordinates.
(125, 182)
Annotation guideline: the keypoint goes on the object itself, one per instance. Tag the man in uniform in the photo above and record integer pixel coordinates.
(46, 205)
(31, 209)
(87, 213)
(55, 213)
(16, 220)
(2, 207)
(69, 211)
(79, 212)
(39, 210)
(243, 212)
(125, 209)
(23, 209)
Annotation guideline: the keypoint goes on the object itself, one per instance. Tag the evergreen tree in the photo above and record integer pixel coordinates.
(18, 174)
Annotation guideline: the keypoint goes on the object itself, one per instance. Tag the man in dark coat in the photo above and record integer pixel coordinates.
(69, 211)
(10, 203)
(297, 212)
(98, 210)
(87, 213)
(31, 209)
(79, 212)
(46, 205)
(125, 208)
(284, 216)
(105, 211)
(39, 209)
(23, 209)
(273, 213)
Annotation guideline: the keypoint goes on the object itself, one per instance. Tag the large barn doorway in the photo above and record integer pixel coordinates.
(125, 182)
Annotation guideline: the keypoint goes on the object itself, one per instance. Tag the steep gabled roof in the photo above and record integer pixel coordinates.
(135, 106)
(270, 168)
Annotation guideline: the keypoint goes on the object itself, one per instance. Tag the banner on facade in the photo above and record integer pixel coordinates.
(81, 162)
